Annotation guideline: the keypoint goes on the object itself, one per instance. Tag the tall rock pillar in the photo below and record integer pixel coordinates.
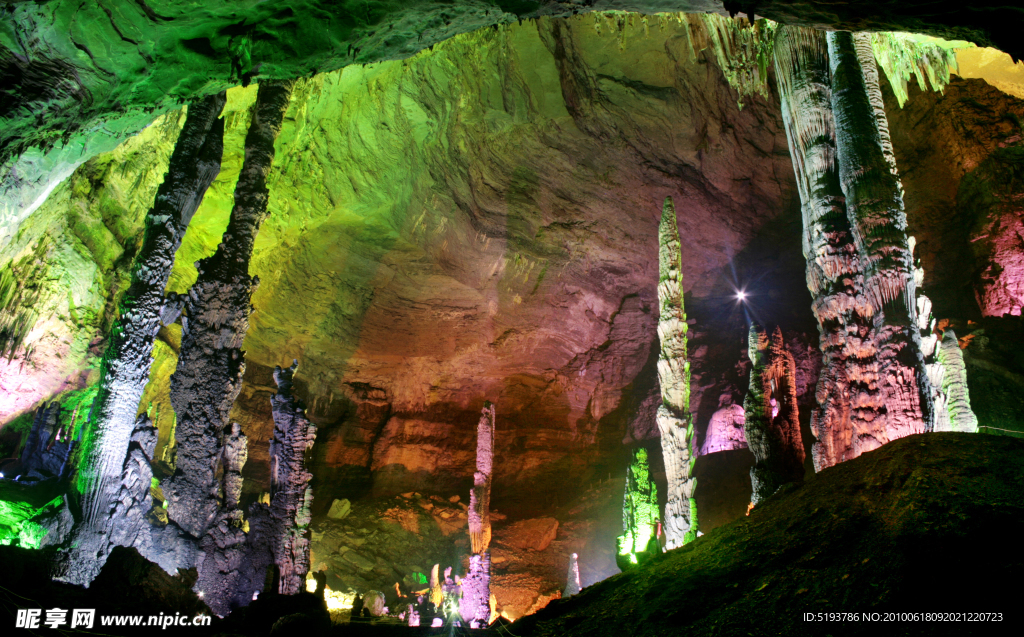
(772, 420)
(216, 318)
(290, 493)
(874, 205)
(674, 420)
(124, 370)
(476, 586)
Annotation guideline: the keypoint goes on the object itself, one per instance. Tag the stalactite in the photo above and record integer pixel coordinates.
(124, 369)
(870, 183)
(572, 578)
(476, 586)
(901, 55)
(290, 493)
(639, 513)
(210, 364)
(674, 419)
(772, 421)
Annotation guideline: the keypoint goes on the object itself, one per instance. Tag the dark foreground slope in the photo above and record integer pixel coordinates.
(929, 523)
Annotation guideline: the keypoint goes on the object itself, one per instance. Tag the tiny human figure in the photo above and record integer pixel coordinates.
(321, 582)
(357, 607)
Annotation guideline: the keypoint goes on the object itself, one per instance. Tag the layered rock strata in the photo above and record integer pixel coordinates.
(674, 419)
(126, 363)
(216, 317)
(772, 420)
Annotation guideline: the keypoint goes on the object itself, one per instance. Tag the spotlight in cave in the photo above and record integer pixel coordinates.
(457, 209)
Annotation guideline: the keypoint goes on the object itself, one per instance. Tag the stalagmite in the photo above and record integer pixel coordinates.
(640, 518)
(216, 317)
(874, 202)
(125, 367)
(674, 419)
(290, 493)
(772, 422)
(572, 578)
(954, 384)
(476, 586)
(224, 582)
(480, 496)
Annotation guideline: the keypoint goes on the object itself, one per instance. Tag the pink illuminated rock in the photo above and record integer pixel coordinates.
(725, 431)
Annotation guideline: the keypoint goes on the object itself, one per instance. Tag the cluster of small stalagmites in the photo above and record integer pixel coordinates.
(476, 587)
(674, 419)
(290, 493)
(772, 420)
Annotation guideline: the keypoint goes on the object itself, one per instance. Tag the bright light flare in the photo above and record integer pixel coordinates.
(741, 296)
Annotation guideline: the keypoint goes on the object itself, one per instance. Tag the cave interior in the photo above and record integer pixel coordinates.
(531, 317)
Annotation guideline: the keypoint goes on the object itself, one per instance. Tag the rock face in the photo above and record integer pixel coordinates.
(46, 449)
(772, 420)
(380, 309)
(725, 431)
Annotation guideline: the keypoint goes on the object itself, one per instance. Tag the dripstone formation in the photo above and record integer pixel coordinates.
(674, 419)
(772, 420)
(476, 592)
(126, 362)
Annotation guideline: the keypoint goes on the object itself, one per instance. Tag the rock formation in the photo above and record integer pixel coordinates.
(216, 317)
(476, 591)
(640, 519)
(290, 493)
(226, 578)
(954, 384)
(126, 362)
(47, 447)
(725, 431)
(874, 205)
(674, 419)
(572, 578)
(772, 421)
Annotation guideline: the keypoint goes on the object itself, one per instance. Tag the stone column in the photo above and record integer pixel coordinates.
(124, 370)
(674, 420)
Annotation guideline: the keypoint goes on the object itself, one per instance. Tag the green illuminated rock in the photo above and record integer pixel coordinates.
(640, 519)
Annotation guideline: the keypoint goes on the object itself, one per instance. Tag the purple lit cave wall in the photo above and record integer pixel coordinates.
(512, 317)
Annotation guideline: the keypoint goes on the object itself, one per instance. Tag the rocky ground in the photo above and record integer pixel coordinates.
(924, 524)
